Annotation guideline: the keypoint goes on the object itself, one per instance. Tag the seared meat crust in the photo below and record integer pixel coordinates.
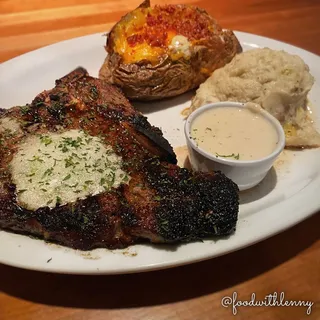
(161, 203)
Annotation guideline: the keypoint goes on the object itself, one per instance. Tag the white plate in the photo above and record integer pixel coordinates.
(289, 194)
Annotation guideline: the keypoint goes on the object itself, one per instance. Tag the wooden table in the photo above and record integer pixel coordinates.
(288, 262)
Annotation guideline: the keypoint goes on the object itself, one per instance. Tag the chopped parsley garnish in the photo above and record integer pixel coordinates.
(24, 109)
(113, 177)
(233, 155)
(94, 93)
(48, 172)
(58, 200)
(69, 162)
(46, 140)
(36, 158)
(31, 174)
(67, 177)
(64, 149)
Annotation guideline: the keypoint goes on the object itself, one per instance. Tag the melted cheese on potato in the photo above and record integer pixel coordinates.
(139, 52)
(56, 169)
(176, 46)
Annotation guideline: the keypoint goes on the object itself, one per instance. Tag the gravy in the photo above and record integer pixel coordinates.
(234, 133)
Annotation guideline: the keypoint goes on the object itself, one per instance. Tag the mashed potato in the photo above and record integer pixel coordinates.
(279, 82)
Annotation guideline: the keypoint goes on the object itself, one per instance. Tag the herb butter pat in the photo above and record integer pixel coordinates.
(56, 169)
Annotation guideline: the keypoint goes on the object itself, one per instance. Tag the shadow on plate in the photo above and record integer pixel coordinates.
(160, 287)
(175, 247)
(261, 190)
(159, 105)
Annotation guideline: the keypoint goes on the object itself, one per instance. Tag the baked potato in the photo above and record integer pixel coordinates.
(163, 51)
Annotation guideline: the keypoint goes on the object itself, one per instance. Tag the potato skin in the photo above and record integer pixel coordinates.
(143, 80)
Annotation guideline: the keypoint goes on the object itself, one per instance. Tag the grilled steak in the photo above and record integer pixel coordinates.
(81, 167)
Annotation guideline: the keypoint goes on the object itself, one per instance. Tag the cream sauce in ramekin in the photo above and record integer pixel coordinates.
(235, 133)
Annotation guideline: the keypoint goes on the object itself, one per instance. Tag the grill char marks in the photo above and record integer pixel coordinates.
(161, 203)
(192, 206)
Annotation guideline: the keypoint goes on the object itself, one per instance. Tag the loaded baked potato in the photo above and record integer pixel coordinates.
(164, 51)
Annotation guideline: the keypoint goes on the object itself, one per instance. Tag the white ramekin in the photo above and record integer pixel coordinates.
(246, 174)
